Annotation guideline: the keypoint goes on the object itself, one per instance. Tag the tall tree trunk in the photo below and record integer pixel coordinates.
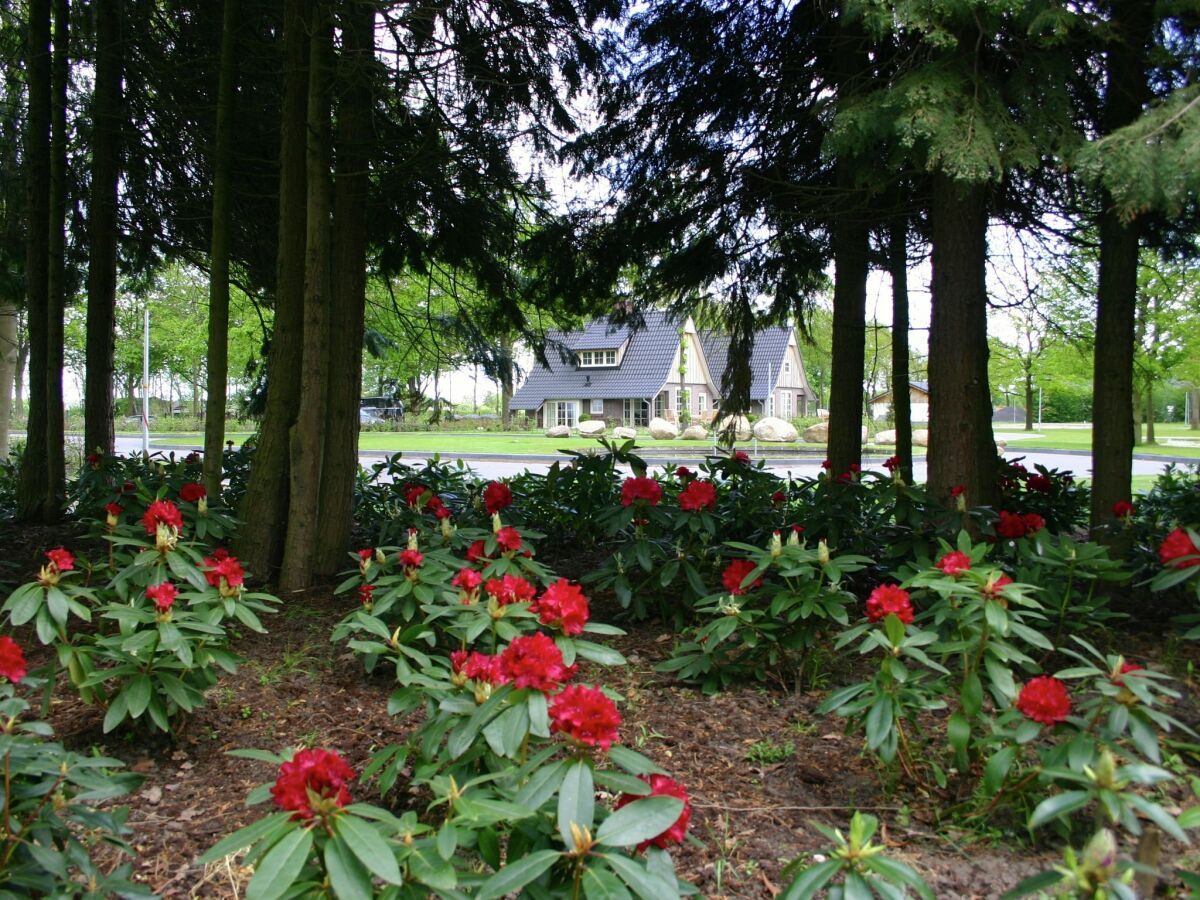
(901, 394)
(1138, 416)
(962, 448)
(57, 279)
(304, 501)
(22, 363)
(851, 248)
(31, 491)
(1194, 409)
(506, 380)
(1150, 415)
(8, 362)
(349, 249)
(102, 230)
(1116, 292)
(1028, 400)
(264, 509)
(218, 284)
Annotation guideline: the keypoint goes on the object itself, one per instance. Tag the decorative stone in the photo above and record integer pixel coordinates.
(1001, 446)
(558, 431)
(921, 437)
(886, 437)
(741, 427)
(593, 428)
(662, 430)
(775, 430)
(625, 434)
(695, 433)
(817, 434)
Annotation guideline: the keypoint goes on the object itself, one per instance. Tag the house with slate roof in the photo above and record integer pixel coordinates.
(629, 376)
(918, 402)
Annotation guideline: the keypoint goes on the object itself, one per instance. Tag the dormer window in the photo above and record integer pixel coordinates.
(593, 358)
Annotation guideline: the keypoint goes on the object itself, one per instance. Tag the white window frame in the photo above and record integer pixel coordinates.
(597, 407)
(591, 359)
(660, 405)
(701, 401)
(787, 367)
(771, 405)
(563, 412)
(786, 397)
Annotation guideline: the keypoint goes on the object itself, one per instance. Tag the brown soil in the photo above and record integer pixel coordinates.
(751, 816)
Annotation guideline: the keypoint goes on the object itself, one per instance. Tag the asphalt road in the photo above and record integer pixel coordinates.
(486, 466)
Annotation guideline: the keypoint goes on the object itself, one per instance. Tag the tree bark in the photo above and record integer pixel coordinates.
(506, 380)
(962, 448)
(1116, 291)
(31, 490)
(22, 363)
(349, 250)
(55, 490)
(103, 229)
(218, 284)
(1150, 415)
(8, 361)
(307, 452)
(264, 509)
(1194, 410)
(901, 397)
(1028, 400)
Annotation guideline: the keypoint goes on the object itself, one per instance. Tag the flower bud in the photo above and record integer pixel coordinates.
(380, 556)
(960, 503)
(483, 691)
(494, 608)
(458, 679)
(729, 607)
(823, 553)
(1105, 774)
(1099, 857)
(412, 539)
(496, 523)
(111, 520)
(776, 545)
(202, 506)
(794, 538)
(165, 537)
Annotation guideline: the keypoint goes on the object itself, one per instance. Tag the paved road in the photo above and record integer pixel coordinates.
(1078, 462)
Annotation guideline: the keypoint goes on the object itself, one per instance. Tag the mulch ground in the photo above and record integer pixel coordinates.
(760, 764)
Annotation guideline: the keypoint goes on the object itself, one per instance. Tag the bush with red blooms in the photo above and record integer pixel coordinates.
(664, 786)
(640, 490)
(1053, 495)
(1178, 550)
(497, 496)
(889, 600)
(697, 496)
(509, 589)
(192, 492)
(585, 714)
(1044, 699)
(50, 798)
(735, 573)
(313, 783)
(954, 563)
(563, 606)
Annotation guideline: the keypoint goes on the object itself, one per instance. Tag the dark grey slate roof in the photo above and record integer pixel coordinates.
(766, 358)
(922, 386)
(643, 371)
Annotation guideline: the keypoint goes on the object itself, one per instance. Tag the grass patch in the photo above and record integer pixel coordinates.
(1051, 437)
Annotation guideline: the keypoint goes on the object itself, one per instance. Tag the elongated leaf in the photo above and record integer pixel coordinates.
(516, 876)
(369, 847)
(639, 821)
(244, 837)
(633, 762)
(644, 883)
(347, 876)
(576, 801)
(1059, 805)
(281, 866)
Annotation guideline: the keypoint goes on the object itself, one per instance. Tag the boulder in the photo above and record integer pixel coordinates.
(775, 430)
(1001, 446)
(921, 437)
(695, 433)
(558, 431)
(741, 426)
(823, 414)
(817, 434)
(662, 430)
(886, 437)
(624, 434)
(593, 428)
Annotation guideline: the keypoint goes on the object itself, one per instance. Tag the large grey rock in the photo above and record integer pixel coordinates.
(662, 430)
(592, 428)
(921, 437)
(775, 430)
(741, 426)
(695, 433)
(886, 437)
(558, 431)
(624, 434)
(817, 434)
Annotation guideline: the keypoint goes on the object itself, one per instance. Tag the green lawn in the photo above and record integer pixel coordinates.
(1053, 437)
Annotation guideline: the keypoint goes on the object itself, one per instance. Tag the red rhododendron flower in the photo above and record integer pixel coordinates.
(1175, 547)
(1040, 483)
(663, 786)
(127, 487)
(484, 668)
(311, 772)
(508, 539)
(510, 589)
(1122, 509)
(891, 463)
(640, 488)
(778, 497)
(992, 588)
(191, 492)
(411, 559)
(12, 660)
(698, 495)
(585, 714)
(163, 511)
(93, 460)
(954, 562)
(476, 551)
(496, 496)
(957, 490)
(741, 456)
(412, 494)
(1010, 526)
(458, 662)
(114, 509)
(435, 505)
(683, 472)
(1033, 523)
(735, 573)
(191, 459)
(467, 580)
(563, 605)
(855, 468)
(223, 568)
(534, 661)
(826, 465)
(61, 559)
(366, 553)
(163, 595)
(889, 599)
(1044, 699)
(1126, 668)
(366, 594)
